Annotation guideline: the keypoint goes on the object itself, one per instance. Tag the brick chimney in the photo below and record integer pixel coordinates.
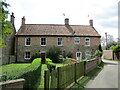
(66, 21)
(23, 20)
(12, 18)
(91, 22)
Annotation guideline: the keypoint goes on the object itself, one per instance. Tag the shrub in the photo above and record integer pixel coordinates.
(53, 53)
(69, 55)
(36, 55)
(98, 53)
(116, 48)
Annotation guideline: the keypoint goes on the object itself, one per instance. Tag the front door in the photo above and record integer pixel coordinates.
(43, 57)
(78, 55)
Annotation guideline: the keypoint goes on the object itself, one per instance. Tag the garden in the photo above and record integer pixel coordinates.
(33, 72)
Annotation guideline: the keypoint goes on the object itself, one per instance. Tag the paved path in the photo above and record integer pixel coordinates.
(107, 77)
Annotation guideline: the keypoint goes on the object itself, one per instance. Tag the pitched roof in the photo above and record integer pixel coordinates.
(54, 29)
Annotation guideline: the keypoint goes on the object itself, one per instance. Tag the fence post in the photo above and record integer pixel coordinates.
(46, 80)
(84, 68)
(75, 72)
(58, 81)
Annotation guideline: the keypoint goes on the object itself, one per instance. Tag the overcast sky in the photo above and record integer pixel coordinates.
(103, 12)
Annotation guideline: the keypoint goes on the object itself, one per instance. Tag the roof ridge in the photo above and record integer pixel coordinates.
(57, 24)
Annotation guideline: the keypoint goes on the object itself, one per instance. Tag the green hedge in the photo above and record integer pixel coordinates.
(31, 74)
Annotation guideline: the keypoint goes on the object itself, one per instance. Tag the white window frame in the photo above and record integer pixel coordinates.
(26, 41)
(87, 41)
(45, 41)
(25, 55)
(76, 40)
(89, 55)
(60, 41)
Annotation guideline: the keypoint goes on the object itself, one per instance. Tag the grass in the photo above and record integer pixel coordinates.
(11, 69)
(82, 83)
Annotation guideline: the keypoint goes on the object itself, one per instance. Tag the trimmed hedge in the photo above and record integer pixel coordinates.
(31, 74)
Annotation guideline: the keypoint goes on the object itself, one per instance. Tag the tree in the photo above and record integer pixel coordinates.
(6, 26)
(53, 53)
(110, 41)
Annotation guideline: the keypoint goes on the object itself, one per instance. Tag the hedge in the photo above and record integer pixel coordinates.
(31, 74)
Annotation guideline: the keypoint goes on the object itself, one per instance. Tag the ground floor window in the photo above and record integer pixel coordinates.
(27, 55)
(87, 55)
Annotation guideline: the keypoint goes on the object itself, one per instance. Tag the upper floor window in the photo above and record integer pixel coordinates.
(87, 41)
(87, 55)
(43, 41)
(27, 55)
(76, 40)
(60, 41)
(27, 41)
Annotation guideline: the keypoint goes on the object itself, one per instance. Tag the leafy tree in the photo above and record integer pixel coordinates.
(53, 53)
(116, 48)
(6, 26)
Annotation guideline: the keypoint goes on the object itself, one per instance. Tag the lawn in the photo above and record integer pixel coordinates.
(10, 69)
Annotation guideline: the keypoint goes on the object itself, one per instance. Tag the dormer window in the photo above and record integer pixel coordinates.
(27, 41)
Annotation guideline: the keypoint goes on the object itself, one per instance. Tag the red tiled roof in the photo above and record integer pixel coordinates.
(54, 29)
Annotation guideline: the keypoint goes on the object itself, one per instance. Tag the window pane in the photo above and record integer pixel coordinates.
(43, 41)
(77, 40)
(59, 41)
(27, 41)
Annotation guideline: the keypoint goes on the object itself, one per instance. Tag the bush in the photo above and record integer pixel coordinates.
(69, 55)
(98, 53)
(116, 48)
(53, 53)
(36, 55)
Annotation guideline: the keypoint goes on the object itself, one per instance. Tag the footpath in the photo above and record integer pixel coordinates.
(107, 77)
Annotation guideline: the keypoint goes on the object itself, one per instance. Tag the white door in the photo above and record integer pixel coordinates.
(78, 55)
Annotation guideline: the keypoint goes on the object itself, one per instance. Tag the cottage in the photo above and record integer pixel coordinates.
(81, 40)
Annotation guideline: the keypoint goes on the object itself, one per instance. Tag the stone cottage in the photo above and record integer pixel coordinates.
(81, 40)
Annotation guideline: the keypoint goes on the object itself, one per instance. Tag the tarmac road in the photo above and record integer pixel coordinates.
(107, 77)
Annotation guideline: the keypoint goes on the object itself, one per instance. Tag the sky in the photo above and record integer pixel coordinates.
(103, 12)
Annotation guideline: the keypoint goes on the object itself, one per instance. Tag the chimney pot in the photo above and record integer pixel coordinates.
(66, 21)
(91, 22)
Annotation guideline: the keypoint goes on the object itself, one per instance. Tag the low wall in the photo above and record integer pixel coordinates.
(107, 54)
(12, 84)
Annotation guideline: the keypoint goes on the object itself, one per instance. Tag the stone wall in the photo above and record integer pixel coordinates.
(12, 84)
(107, 54)
(68, 46)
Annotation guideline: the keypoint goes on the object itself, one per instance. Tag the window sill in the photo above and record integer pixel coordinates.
(43, 45)
(27, 45)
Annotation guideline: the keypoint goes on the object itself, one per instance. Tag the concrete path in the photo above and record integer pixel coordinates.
(107, 77)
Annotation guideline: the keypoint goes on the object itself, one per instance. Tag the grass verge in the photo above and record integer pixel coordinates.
(81, 83)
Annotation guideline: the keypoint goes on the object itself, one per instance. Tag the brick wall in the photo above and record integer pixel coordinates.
(68, 45)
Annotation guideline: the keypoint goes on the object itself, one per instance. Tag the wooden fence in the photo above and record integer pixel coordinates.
(62, 77)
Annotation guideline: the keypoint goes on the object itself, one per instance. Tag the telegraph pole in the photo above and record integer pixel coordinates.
(106, 39)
